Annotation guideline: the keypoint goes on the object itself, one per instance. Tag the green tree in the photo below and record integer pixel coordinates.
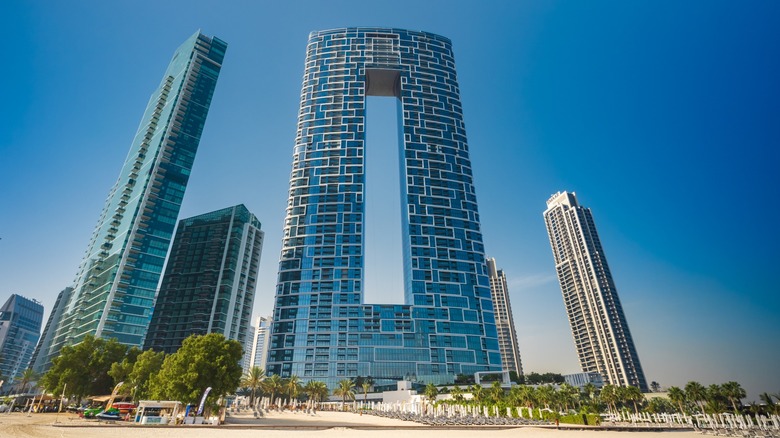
(609, 395)
(524, 394)
(659, 405)
(147, 364)
(696, 392)
(293, 387)
(655, 386)
(84, 367)
(477, 393)
(496, 392)
(202, 361)
(345, 390)
(120, 371)
(253, 379)
(568, 396)
(635, 396)
(457, 394)
(677, 396)
(272, 386)
(545, 394)
(431, 392)
(734, 392)
(28, 376)
(316, 390)
(715, 400)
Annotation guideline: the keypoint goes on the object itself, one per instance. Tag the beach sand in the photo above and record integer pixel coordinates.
(288, 425)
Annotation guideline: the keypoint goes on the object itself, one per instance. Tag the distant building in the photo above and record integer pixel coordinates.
(259, 351)
(210, 279)
(249, 338)
(37, 362)
(113, 294)
(598, 324)
(20, 327)
(505, 323)
(579, 380)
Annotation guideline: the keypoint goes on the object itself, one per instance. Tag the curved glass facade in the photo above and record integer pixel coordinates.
(322, 329)
(113, 294)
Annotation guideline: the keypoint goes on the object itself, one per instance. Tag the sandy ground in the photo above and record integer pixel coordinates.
(287, 425)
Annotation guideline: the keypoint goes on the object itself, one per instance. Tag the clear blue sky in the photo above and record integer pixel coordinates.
(664, 117)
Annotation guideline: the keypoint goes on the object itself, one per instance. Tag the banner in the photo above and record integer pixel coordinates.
(203, 402)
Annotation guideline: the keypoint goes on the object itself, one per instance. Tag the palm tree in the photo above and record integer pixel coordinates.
(366, 385)
(253, 380)
(634, 395)
(457, 394)
(771, 406)
(345, 391)
(696, 392)
(677, 395)
(478, 393)
(272, 386)
(733, 391)
(567, 395)
(430, 393)
(609, 395)
(527, 395)
(545, 395)
(28, 376)
(496, 392)
(293, 387)
(316, 390)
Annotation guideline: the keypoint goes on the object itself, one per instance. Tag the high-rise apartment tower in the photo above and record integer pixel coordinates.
(210, 279)
(505, 323)
(598, 324)
(322, 328)
(37, 361)
(116, 283)
(20, 327)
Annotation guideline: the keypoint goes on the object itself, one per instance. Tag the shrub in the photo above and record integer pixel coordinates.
(589, 419)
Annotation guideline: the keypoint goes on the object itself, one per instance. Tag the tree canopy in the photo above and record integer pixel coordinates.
(84, 367)
(202, 361)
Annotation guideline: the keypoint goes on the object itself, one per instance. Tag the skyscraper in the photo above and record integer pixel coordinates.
(258, 351)
(210, 279)
(598, 324)
(114, 290)
(20, 327)
(37, 361)
(505, 323)
(322, 328)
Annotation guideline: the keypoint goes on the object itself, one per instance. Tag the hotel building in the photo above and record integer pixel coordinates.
(322, 329)
(598, 324)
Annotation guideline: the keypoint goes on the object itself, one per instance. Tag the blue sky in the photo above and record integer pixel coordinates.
(664, 117)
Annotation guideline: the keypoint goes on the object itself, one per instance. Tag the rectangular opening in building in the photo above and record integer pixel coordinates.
(383, 267)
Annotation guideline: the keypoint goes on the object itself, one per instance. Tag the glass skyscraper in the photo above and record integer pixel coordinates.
(210, 279)
(114, 290)
(20, 327)
(505, 323)
(322, 328)
(37, 361)
(598, 324)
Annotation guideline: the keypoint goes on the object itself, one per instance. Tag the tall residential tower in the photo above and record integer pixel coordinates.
(20, 327)
(598, 324)
(322, 328)
(210, 279)
(114, 290)
(505, 323)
